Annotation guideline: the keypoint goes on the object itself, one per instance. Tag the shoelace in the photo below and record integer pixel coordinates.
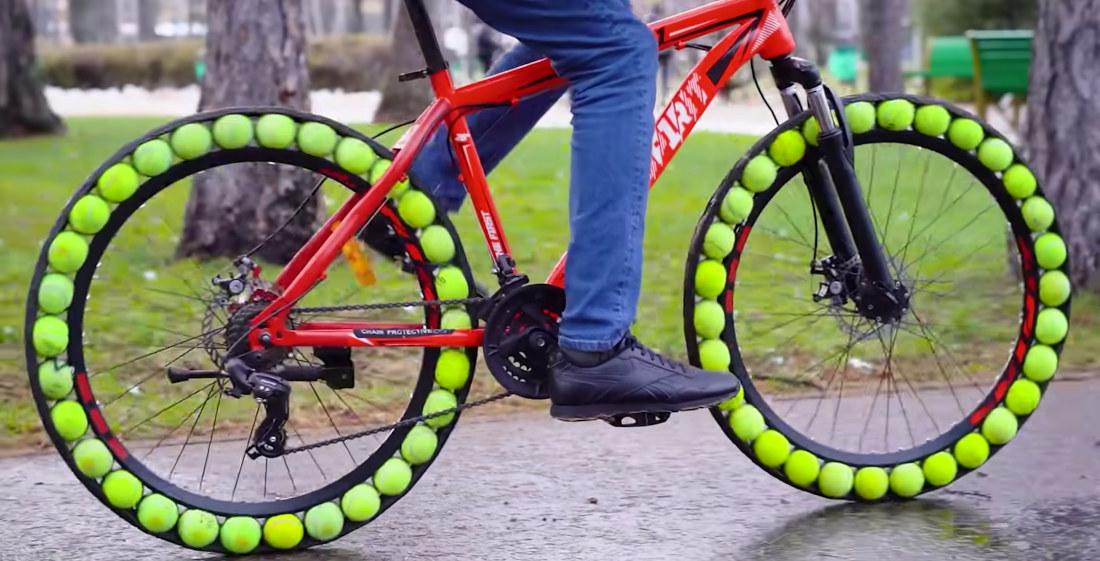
(632, 342)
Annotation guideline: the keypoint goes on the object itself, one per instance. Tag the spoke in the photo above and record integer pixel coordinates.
(160, 350)
(210, 442)
(331, 421)
(890, 210)
(175, 428)
(912, 389)
(310, 452)
(158, 413)
(843, 361)
(190, 432)
(244, 453)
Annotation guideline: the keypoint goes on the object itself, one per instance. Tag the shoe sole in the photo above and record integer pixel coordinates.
(600, 412)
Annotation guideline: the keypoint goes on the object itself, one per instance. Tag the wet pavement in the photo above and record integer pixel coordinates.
(529, 488)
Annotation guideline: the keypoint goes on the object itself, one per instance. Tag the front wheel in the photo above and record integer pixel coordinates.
(850, 401)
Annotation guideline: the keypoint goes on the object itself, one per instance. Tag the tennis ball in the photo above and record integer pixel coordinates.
(811, 130)
(871, 483)
(376, 171)
(452, 370)
(714, 355)
(1038, 214)
(360, 503)
(153, 158)
(284, 531)
(736, 207)
(861, 116)
(69, 420)
(354, 155)
(416, 209)
(1054, 288)
(896, 114)
(1040, 363)
(92, 458)
(240, 534)
(835, 480)
(438, 400)
(718, 241)
(55, 293)
(972, 450)
(233, 131)
(456, 319)
(709, 319)
(191, 141)
(89, 214)
(118, 183)
(122, 489)
(1023, 397)
(1050, 250)
(324, 521)
(747, 423)
(1051, 326)
(733, 402)
(906, 480)
(393, 477)
(932, 120)
(50, 335)
(801, 468)
(276, 131)
(55, 380)
(965, 133)
(940, 469)
(759, 174)
(450, 284)
(316, 139)
(437, 243)
(788, 148)
(771, 448)
(710, 278)
(419, 445)
(67, 252)
(157, 513)
(999, 426)
(995, 154)
(1019, 181)
(197, 528)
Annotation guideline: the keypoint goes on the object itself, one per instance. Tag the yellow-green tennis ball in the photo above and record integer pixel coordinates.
(416, 209)
(360, 503)
(972, 450)
(89, 214)
(718, 241)
(801, 468)
(709, 320)
(354, 155)
(379, 168)
(50, 335)
(437, 243)
(861, 116)
(896, 114)
(419, 445)
(1054, 288)
(871, 483)
(118, 183)
(393, 477)
(316, 139)
(1019, 181)
(456, 319)
(92, 458)
(733, 402)
(450, 284)
(241, 534)
(197, 528)
(284, 531)
(940, 469)
(771, 448)
(438, 400)
(759, 174)
(811, 130)
(747, 423)
(906, 480)
(276, 131)
(999, 426)
(56, 380)
(153, 158)
(55, 293)
(122, 489)
(714, 355)
(67, 252)
(191, 141)
(788, 148)
(1038, 214)
(736, 207)
(1023, 397)
(324, 521)
(157, 513)
(233, 131)
(452, 370)
(932, 120)
(835, 480)
(1050, 250)
(995, 154)
(1040, 363)
(965, 133)
(1051, 326)
(710, 278)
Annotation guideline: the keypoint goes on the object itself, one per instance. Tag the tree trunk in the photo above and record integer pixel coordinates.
(389, 12)
(882, 41)
(256, 55)
(1062, 145)
(93, 22)
(355, 16)
(822, 26)
(23, 107)
(148, 12)
(402, 101)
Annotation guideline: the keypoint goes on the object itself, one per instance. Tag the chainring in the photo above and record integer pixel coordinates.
(520, 336)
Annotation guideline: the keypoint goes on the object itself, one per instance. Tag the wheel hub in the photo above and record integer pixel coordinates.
(846, 281)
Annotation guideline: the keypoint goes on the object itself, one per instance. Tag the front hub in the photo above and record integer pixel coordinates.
(846, 281)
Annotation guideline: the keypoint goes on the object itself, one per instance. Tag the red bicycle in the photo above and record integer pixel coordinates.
(862, 209)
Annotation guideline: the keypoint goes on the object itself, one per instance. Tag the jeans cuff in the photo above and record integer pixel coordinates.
(590, 345)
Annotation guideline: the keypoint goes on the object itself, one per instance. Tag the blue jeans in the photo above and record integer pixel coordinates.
(609, 58)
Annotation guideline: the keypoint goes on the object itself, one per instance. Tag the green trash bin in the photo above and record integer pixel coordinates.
(844, 64)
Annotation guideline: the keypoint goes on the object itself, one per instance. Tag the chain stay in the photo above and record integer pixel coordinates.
(390, 305)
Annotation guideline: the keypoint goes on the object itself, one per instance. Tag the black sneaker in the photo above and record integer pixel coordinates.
(631, 379)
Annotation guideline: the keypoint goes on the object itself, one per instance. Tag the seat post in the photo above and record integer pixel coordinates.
(425, 35)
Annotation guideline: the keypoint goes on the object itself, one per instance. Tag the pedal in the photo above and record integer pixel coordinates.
(637, 419)
(339, 371)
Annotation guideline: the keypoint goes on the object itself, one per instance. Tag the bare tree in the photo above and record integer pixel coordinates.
(883, 38)
(402, 101)
(148, 12)
(93, 21)
(1060, 134)
(355, 16)
(23, 107)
